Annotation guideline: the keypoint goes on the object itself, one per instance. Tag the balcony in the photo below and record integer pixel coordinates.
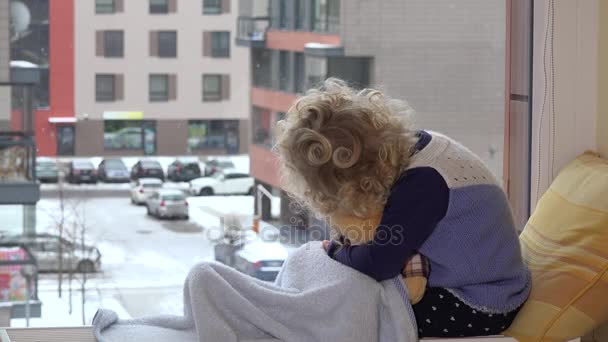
(251, 31)
(18, 183)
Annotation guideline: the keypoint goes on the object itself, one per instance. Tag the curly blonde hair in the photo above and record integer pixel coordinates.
(341, 150)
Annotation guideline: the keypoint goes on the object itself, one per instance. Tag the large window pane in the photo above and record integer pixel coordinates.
(104, 6)
(299, 73)
(113, 43)
(159, 88)
(212, 87)
(212, 6)
(122, 134)
(159, 6)
(220, 44)
(167, 43)
(104, 88)
(284, 70)
(213, 134)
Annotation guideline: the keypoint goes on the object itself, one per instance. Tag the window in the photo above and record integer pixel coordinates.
(159, 88)
(122, 135)
(105, 90)
(261, 124)
(167, 44)
(284, 70)
(283, 20)
(261, 68)
(213, 134)
(104, 6)
(299, 78)
(212, 6)
(212, 87)
(326, 15)
(220, 44)
(113, 43)
(300, 8)
(159, 6)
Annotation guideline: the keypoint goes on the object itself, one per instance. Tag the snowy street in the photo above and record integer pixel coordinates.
(144, 260)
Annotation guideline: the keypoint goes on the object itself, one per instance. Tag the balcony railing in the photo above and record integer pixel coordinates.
(251, 31)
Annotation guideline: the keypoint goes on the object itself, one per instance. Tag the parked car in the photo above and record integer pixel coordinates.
(147, 169)
(183, 170)
(81, 171)
(112, 170)
(143, 188)
(229, 183)
(167, 203)
(45, 248)
(214, 166)
(47, 170)
(260, 259)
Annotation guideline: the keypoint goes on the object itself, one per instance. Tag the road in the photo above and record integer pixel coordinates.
(144, 261)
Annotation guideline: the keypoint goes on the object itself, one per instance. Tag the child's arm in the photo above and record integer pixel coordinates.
(418, 201)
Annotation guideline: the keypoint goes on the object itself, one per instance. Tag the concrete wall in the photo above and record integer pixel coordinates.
(446, 58)
(137, 64)
(5, 93)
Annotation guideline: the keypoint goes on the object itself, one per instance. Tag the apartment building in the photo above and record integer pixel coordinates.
(157, 77)
(449, 67)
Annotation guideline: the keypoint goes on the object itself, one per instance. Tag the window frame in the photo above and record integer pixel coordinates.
(158, 96)
(106, 43)
(215, 9)
(163, 48)
(221, 52)
(112, 7)
(99, 96)
(212, 96)
(154, 8)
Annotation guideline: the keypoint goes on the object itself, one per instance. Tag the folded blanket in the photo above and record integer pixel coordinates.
(313, 299)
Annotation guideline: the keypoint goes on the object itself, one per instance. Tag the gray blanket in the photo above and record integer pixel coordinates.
(313, 299)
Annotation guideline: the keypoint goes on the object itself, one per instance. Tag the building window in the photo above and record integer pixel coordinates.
(326, 15)
(214, 134)
(315, 70)
(300, 7)
(159, 6)
(113, 43)
(122, 135)
(105, 90)
(260, 122)
(283, 20)
(159, 88)
(212, 88)
(167, 44)
(104, 6)
(299, 73)
(220, 44)
(212, 6)
(284, 70)
(261, 67)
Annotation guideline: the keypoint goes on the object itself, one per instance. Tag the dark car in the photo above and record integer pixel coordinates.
(183, 170)
(147, 169)
(81, 171)
(112, 171)
(45, 248)
(214, 166)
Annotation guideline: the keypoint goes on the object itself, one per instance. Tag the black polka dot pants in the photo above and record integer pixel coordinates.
(441, 314)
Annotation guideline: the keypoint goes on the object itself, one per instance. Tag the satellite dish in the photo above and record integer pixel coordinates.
(20, 17)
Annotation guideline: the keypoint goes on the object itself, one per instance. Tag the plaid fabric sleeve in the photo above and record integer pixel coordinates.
(417, 266)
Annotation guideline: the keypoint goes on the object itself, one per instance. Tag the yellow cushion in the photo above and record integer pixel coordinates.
(565, 245)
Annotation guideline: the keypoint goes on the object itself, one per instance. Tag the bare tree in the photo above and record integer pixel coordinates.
(78, 240)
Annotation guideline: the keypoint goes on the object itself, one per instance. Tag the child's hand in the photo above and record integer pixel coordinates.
(326, 245)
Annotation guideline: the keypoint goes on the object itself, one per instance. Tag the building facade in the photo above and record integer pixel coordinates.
(5, 94)
(158, 77)
(448, 67)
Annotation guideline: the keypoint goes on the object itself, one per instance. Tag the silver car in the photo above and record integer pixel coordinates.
(47, 170)
(168, 203)
(45, 248)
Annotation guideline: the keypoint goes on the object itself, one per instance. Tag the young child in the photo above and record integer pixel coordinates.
(349, 153)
